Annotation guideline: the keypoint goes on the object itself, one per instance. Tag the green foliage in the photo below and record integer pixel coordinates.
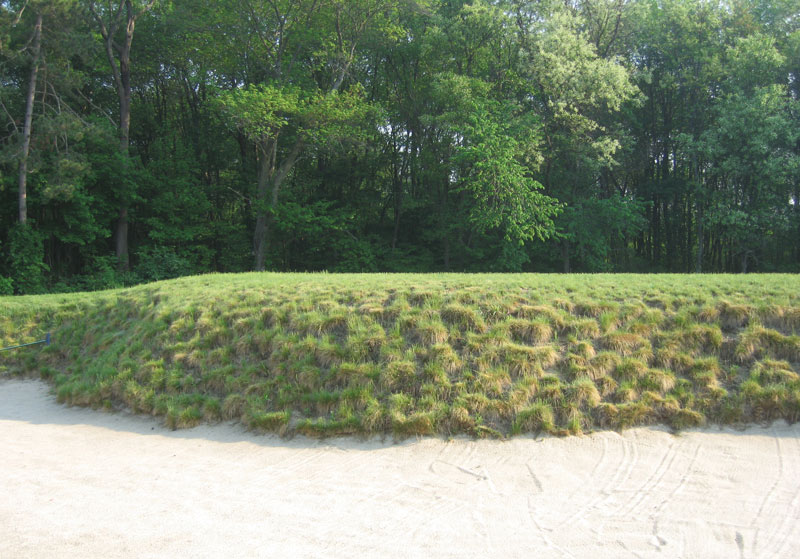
(25, 257)
(6, 286)
(505, 196)
(385, 135)
(160, 262)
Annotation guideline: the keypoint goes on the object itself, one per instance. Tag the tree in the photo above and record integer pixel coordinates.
(573, 90)
(267, 114)
(308, 42)
(116, 24)
(36, 49)
(492, 139)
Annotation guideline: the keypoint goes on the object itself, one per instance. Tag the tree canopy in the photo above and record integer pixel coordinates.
(145, 139)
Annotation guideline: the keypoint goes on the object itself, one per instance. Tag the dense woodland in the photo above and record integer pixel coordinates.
(146, 139)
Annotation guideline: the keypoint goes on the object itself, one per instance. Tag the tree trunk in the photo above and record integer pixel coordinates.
(398, 202)
(124, 92)
(270, 181)
(27, 126)
(565, 255)
(265, 171)
(700, 240)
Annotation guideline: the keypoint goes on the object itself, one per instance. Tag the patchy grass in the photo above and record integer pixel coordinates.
(412, 355)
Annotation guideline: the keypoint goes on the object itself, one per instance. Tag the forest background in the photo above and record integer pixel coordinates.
(146, 139)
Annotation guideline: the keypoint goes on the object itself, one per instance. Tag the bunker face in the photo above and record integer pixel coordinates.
(82, 483)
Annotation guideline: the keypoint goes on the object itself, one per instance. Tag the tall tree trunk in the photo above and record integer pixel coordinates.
(27, 126)
(700, 239)
(266, 169)
(565, 255)
(124, 92)
(270, 181)
(398, 203)
(701, 189)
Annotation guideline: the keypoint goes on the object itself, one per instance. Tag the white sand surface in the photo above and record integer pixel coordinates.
(82, 483)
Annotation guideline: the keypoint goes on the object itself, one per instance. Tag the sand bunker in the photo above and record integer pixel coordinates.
(82, 483)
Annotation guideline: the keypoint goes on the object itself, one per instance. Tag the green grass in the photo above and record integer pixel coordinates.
(410, 355)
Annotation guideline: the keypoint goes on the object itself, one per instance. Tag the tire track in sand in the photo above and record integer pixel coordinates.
(630, 457)
(549, 543)
(767, 496)
(789, 520)
(651, 483)
(681, 483)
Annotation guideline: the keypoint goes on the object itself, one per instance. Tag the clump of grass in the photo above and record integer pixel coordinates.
(555, 318)
(785, 319)
(398, 375)
(365, 340)
(706, 372)
(526, 360)
(328, 352)
(444, 355)
(575, 366)
(771, 371)
(758, 341)
(605, 415)
(606, 386)
(626, 391)
(536, 418)
(584, 328)
(673, 359)
(682, 418)
(529, 331)
(324, 427)
(431, 333)
(463, 317)
(657, 380)
(423, 298)
(733, 316)
(583, 392)
(355, 374)
(398, 306)
(630, 369)
(521, 392)
(624, 343)
(417, 424)
(608, 321)
(596, 309)
(632, 413)
(604, 363)
(770, 401)
(493, 382)
(460, 419)
(583, 348)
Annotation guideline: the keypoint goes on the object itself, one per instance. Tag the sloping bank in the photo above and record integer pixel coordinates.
(323, 355)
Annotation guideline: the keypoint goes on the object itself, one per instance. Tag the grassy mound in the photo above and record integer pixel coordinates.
(324, 355)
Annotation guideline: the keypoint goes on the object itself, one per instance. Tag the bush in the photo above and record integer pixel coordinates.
(103, 275)
(6, 286)
(26, 259)
(160, 263)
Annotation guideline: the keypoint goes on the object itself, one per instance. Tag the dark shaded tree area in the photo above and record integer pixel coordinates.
(146, 139)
